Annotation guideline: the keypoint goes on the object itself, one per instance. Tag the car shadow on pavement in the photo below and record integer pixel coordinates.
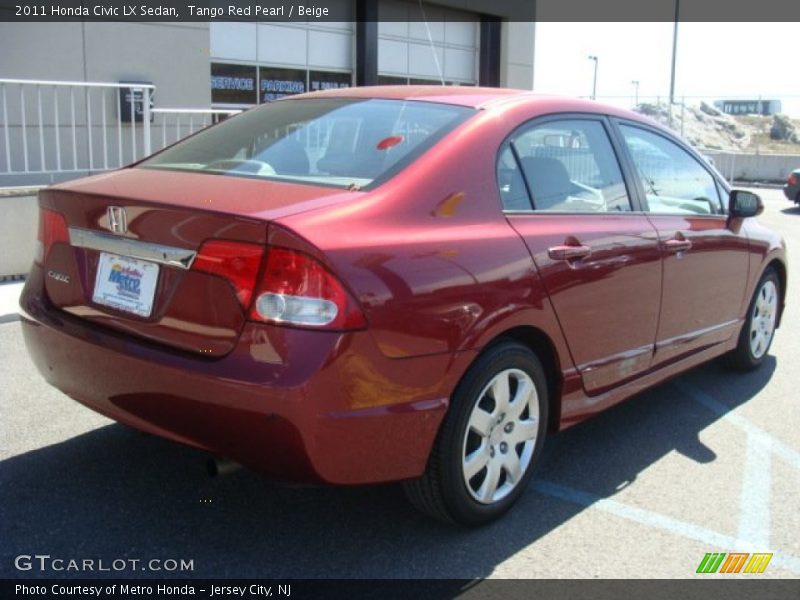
(117, 493)
(792, 210)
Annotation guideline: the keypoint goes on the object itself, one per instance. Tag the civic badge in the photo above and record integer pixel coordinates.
(117, 219)
(58, 276)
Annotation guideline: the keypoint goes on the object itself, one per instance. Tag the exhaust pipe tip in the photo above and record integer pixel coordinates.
(217, 467)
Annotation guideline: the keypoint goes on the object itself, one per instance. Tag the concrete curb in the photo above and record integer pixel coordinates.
(9, 301)
(12, 192)
(19, 218)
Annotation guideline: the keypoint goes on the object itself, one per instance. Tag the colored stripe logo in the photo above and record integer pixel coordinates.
(734, 562)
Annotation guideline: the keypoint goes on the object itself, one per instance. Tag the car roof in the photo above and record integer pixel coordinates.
(451, 94)
(477, 97)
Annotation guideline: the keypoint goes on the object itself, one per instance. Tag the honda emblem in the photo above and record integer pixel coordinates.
(117, 219)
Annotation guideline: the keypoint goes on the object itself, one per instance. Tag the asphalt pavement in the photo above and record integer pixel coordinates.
(708, 462)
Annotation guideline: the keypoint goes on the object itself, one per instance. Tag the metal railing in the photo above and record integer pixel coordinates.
(185, 121)
(67, 126)
(57, 130)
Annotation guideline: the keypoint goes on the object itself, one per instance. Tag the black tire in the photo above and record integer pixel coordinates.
(743, 358)
(443, 491)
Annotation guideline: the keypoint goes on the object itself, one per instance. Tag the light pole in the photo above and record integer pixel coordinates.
(594, 82)
(635, 83)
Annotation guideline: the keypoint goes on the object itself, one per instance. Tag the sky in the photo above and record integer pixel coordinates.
(714, 61)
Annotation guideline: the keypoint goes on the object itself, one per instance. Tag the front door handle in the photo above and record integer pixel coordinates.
(678, 245)
(568, 252)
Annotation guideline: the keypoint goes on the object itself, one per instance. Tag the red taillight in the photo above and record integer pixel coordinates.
(238, 262)
(792, 179)
(298, 290)
(52, 229)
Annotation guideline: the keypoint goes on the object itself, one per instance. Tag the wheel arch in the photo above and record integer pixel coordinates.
(780, 269)
(538, 342)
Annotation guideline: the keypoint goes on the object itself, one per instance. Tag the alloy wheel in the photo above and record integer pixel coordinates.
(500, 437)
(762, 322)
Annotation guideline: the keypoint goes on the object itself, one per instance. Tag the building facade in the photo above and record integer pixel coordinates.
(224, 63)
(53, 133)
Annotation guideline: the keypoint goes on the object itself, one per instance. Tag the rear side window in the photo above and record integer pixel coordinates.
(674, 181)
(338, 142)
(567, 166)
(510, 181)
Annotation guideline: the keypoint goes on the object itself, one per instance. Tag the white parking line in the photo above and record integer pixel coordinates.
(787, 453)
(754, 503)
(663, 522)
(754, 519)
(633, 513)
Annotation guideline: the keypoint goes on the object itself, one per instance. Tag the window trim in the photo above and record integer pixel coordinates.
(605, 122)
(617, 122)
(507, 145)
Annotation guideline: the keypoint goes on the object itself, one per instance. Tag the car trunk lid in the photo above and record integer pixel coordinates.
(146, 251)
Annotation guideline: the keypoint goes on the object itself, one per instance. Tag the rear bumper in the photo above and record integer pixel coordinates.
(297, 405)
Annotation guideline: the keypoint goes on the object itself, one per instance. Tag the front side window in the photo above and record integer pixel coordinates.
(674, 181)
(340, 142)
(568, 165)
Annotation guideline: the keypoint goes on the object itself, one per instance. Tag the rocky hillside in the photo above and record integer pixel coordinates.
(706, 127)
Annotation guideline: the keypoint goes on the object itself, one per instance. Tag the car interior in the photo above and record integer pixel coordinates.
(564, 170)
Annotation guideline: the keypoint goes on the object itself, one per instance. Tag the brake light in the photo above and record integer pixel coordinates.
(792, 179)
(298, 290)
(237, 262)
(52, 229)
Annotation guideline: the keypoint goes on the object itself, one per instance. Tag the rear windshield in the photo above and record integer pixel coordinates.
(348, 143)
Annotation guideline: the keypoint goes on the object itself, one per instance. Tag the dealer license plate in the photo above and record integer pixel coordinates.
(126, 284)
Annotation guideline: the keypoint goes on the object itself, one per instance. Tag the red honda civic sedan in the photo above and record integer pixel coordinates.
(412, 284)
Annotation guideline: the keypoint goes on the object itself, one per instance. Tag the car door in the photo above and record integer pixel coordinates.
(704, 253)
(564, 193)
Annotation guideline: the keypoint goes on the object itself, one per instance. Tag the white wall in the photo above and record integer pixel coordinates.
(19, 218)
(172, 56)
(312, 45)
(763, 167)
(404, 48)
(516, 54)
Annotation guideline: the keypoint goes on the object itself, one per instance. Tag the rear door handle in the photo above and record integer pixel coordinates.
(568, 252)
(678, 245)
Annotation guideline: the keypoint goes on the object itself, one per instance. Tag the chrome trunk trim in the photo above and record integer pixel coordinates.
(122, 246)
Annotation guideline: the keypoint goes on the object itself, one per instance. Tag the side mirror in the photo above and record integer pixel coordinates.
(744, 204)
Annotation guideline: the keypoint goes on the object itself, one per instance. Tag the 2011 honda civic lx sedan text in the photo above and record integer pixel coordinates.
(413, 284)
